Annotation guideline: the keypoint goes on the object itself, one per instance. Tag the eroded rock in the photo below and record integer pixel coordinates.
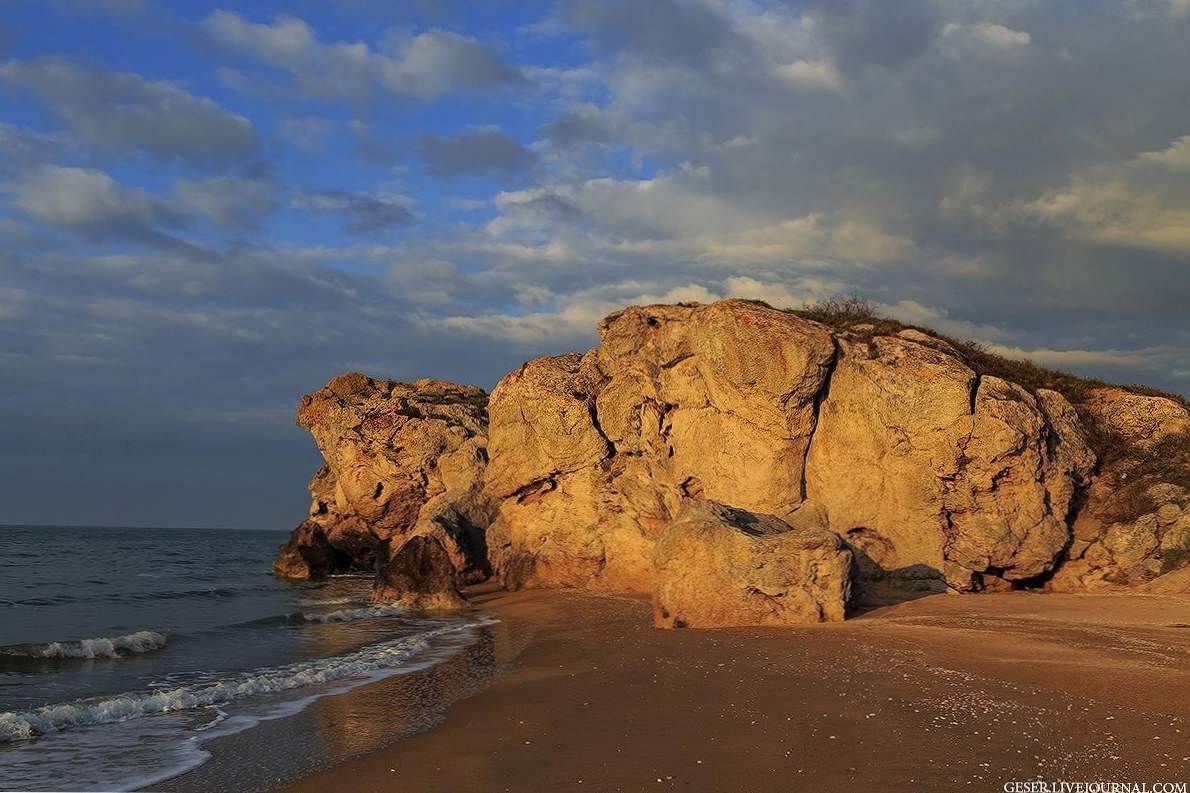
(718, 566)
(402, 460)
(420, 576)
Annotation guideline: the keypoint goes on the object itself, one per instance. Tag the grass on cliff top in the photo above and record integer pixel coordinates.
(1167, 461)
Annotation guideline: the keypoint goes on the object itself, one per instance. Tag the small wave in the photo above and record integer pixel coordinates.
(329, 601)
(23, 725)
(102, 647)
(347, 615)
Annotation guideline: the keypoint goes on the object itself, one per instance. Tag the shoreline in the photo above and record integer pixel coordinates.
(934, 694)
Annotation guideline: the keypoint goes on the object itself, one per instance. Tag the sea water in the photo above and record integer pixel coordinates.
(124, 651)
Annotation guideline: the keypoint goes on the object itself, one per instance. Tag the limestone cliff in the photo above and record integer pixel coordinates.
(934, 465)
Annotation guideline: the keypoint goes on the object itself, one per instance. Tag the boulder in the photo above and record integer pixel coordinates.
(420, 576)
(401, 460)
(718, 566)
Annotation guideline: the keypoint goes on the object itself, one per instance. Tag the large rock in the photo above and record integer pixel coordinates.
(420, 576)
(402, 460)
(718, 566)
(934, 475)
(591, 455)
(940, 473)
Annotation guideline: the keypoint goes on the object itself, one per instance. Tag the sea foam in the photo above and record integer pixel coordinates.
(101, 647)
(23, 725)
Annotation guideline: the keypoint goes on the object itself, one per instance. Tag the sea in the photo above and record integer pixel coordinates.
(126, 654)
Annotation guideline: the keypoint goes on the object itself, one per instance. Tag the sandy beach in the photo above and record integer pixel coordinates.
(941, 693)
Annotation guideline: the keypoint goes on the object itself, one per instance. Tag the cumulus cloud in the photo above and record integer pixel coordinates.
(90, 203)
(478, 152)
(122, 112)
(424, 66)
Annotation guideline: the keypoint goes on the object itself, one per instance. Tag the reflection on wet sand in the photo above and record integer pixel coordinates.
(334, 728)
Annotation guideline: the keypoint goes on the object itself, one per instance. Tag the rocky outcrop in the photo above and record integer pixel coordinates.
(402, 460)
(675, 457)
(940, 477)
(1134, 530)
(935, 476)
(420, 576)
(718, 566)
(591, 455)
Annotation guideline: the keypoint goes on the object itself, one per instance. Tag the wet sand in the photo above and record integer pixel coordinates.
(942, 693)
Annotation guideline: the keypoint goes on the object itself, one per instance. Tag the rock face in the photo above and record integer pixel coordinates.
(736, 461)
(1134, 530)
(933, 475)
(939, 477)
(717, 566)
(591, 455)
(402, 460)
(419, 576)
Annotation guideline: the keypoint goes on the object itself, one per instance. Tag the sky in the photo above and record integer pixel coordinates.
(208, 209)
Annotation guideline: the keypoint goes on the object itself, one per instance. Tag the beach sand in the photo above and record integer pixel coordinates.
(941, 693)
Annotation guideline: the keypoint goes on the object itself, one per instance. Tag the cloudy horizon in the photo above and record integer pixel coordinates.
(207, 209)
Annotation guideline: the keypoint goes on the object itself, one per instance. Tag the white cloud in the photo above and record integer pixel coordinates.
(88, 201)
(812, 75)
(1176, 157)
(124, 112)
(427, 65)
(983, 39)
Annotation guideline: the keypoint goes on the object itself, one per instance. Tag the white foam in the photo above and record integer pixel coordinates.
(23, 725)
(102, 647)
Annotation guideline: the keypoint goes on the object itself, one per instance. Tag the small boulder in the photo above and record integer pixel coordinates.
(717, 567)
(419, 576)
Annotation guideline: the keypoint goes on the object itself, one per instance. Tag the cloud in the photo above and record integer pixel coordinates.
(228, 201)
(372, 146)
(91, 204)
(308, 133)
(679, 215)
(121, 112)
(813, 75)
(367, 214)
(1140, 203)
(426, 66)
(473, 153)
(984, 39)
(1176, 157)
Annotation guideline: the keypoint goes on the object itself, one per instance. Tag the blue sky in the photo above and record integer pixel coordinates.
(207, 209)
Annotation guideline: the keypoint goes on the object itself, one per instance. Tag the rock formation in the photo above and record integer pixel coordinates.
(934, 475)
(401, 460)
(419, 575)
(1135, 525)
(718, 567)
(675, 457)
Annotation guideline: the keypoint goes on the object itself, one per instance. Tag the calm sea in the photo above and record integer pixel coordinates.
(124, 651)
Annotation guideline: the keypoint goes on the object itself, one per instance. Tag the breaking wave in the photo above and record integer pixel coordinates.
(23, 725)
(102, 647)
